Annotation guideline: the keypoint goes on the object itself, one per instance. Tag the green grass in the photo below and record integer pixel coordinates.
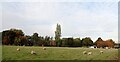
(56, 53)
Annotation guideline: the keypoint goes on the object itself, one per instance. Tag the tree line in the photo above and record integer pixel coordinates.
(18, 38)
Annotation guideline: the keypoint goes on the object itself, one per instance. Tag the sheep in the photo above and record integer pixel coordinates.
(33, 52)
(106, 47)
(18, 49)
(89, 53)
(84, 52)
(44, 48)
(101, 52)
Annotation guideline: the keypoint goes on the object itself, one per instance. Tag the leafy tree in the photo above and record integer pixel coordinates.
(109, 43)
(41, 41)
(70, 42)
(29, 41)
(77, 42)
(58, 35)
(87, 41)
(64, 42)
(35, 39)
(47, 40)
(8, 36)
(99, 42)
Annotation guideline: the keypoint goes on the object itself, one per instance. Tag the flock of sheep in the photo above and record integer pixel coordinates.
(89, 53)
(84, 52)
(32, 52)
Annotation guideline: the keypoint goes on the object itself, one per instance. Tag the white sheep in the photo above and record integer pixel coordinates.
(18, 49)
(44, 48)
(84, 52)
(106, 47)
(89, 53)
(33, 52)
(101, 52)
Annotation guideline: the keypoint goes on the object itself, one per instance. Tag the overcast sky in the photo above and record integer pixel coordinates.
(77, 19)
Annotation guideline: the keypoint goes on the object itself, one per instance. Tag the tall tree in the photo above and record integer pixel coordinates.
(58, 35)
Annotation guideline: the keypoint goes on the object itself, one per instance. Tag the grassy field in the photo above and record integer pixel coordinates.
(56, 53)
